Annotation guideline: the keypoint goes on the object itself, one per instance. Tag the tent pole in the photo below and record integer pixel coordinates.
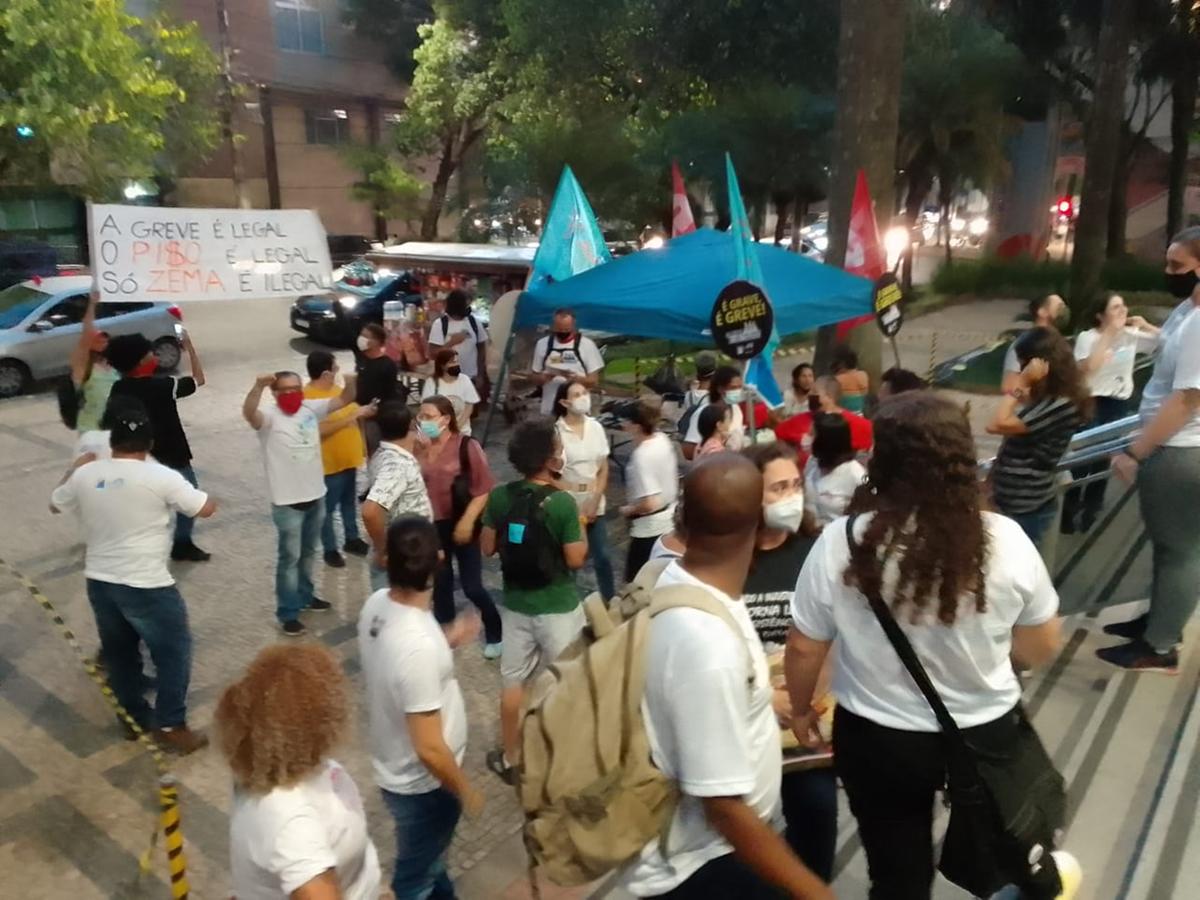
(501, 383)
(750, 404)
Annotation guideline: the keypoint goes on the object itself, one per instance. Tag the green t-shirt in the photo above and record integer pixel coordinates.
(562, 521)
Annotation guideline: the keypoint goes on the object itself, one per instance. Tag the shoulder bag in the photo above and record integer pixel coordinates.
(1006, 806)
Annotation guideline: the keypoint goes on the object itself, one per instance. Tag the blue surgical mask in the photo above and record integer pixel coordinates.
(431, 430)
(737, 395)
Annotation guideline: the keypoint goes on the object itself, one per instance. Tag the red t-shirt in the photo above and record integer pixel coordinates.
(793, 430)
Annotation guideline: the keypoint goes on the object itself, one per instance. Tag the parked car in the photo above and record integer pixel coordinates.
(336, 318)
(344, 248)
(41, 321)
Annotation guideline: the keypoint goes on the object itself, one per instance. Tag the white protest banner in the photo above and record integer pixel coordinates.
(207, 254)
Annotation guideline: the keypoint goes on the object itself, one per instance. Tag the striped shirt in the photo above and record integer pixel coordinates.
(1025, 469)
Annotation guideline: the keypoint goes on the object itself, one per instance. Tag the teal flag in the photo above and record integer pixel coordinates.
(571, 238)
(759, 374)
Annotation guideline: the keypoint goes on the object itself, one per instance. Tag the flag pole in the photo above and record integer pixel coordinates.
(750, 402)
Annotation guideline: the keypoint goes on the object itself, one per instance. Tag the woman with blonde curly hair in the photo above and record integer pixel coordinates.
(297, 829)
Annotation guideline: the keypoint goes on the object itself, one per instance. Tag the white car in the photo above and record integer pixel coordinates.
(41, 321)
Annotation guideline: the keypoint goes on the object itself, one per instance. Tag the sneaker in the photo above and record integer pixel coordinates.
(492, 651)
(319, 605)
(1131, 630)
(335, 559)
(181, 740)
(500, 767)
(1138, 656)
(1070, 873)
(357, 547)
(186, 551)
(294, 628)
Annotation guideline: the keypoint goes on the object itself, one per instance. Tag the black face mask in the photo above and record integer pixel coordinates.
(453, 371)
(1181, 284)
(563, 336)
(814, 403)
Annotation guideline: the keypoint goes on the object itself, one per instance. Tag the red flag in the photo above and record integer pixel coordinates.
(864, 252)
(681, 211)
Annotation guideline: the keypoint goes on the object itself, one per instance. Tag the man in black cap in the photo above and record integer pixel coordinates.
(133, 356)
(125, 505)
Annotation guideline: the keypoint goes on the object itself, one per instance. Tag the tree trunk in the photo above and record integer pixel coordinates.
(447, 163)
(1103, 149)
(920, 181)
(1183, 116)
(1118, 210)
(870, 60)
(783, 206)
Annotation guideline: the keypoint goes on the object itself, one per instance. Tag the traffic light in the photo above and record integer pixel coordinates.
(1065, 207)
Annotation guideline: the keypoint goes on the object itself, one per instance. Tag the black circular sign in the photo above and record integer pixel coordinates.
(742, 320)
(889, 305)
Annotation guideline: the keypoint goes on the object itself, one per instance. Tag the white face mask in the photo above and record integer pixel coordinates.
(785, 514)
(582, 405)
(362, 343)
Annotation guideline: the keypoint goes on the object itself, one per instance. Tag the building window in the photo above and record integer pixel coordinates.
(298, 26)
(326, 126)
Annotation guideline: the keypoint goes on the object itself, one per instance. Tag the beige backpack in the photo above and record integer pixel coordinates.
(591, 794)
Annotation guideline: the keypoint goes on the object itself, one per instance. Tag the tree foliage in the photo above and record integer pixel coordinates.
(106, 96)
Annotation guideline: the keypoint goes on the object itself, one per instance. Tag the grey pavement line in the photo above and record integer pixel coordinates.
(1170, 858)
(57, 824)
(77, 734)
(1095, 753)
(23, 434)
(13, 772)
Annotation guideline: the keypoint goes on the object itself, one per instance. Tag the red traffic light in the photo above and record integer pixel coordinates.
(1065, 206)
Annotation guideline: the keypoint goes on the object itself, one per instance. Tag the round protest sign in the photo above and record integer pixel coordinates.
(889, 307)
(742, 320)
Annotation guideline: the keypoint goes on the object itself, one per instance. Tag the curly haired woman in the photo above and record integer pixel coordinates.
(970, 592)
(297, 829)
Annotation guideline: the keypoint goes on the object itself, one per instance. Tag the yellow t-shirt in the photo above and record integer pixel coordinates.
(343, 449)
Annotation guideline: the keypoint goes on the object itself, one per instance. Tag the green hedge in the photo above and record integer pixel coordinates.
(1027, 278)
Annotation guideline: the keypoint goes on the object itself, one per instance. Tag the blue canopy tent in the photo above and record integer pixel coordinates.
(669, 292)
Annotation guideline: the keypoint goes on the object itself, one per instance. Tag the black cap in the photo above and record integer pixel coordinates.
(706, 365)
(129, 426)
(127, 350)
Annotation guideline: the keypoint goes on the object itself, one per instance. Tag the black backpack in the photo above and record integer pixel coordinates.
(530, 556)
(446, 327)
(685, 420)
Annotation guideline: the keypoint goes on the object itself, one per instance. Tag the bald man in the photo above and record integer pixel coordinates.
(708, 713)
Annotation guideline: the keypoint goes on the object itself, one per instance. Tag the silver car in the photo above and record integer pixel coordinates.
(41, 321)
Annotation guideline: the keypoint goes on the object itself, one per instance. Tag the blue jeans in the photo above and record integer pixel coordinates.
(126, 616)
(340, 494)
(378, 577)
(1035, 522)
(470, 577)
(185, 525)
(424, 826)
(299, 530)
(597, 537)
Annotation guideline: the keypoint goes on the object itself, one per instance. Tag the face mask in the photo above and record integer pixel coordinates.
(289, 402)
(737, 395)
(145, 368)
(453, 371)
(785, 514)
(582, 405)
(362, 343)
(431, 430)
(563, 336)
(814, 403)
(1181, 284)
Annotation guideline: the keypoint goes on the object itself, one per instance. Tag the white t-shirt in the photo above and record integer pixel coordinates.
(709, 729)
(653, 469)
(661, 551)
(1011, 363)
(127, 507)
(94, 442)
(793, 405)
(408, 668)
(1115, 377)
(284, 839)
(827, 496)
(468, 354)
(737, 427)
(968, 661)
(584, 457)
(549, 353)
(1177, 368)
(459, 391)
(292, 452)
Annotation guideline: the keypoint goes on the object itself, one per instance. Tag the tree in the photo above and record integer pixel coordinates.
(870, 60)
(92, 96)
(454, 91)
(1103, 148)
(385, 185)
(1179, 63)
(393, 24)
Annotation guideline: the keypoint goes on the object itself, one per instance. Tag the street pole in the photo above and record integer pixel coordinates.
(227, 105)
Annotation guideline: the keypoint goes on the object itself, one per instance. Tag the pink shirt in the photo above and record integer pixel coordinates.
(440, 471)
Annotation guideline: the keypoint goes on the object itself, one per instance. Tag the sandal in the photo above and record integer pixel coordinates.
(500, 768)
